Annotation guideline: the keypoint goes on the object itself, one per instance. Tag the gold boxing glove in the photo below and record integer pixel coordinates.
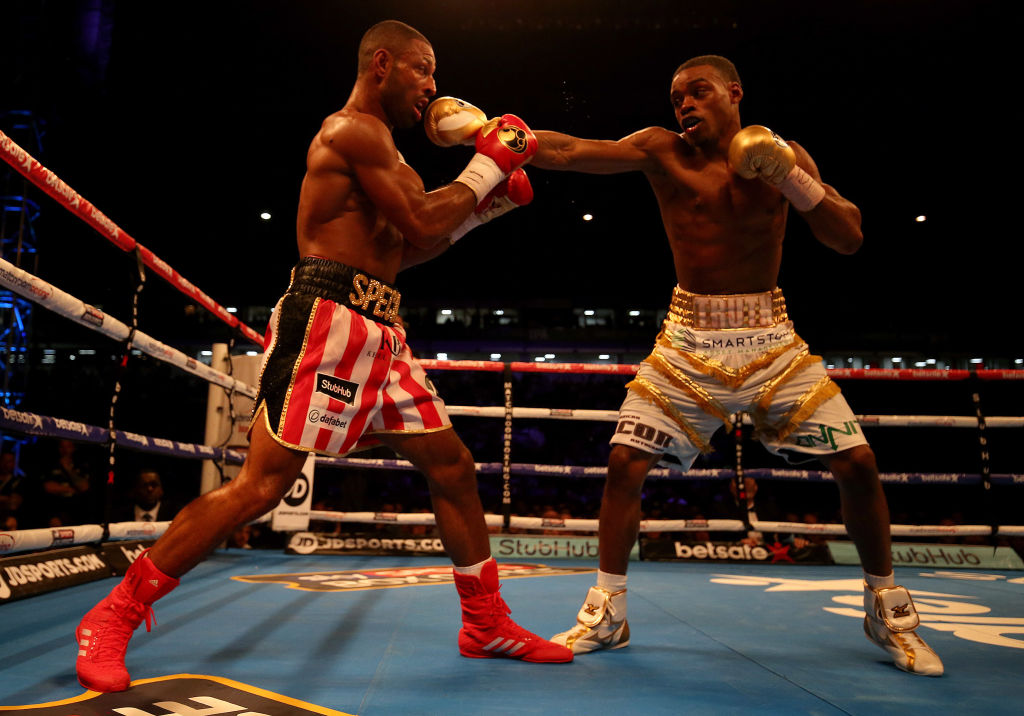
(450, 121)
(757, 151)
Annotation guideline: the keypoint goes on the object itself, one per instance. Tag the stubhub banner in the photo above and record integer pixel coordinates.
(548, 547)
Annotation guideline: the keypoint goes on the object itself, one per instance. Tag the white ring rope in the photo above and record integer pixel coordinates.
(51, 537)
(899, 374)
(611, 416)
(39, 291)
(591, 525)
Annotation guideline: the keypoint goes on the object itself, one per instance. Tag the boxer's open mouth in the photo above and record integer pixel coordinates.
(421, 107)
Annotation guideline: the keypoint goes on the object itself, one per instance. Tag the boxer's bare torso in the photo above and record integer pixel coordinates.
(360, 203)
(725, 231)
(336, 218)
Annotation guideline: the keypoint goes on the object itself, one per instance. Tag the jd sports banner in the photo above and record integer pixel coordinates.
(31, 574)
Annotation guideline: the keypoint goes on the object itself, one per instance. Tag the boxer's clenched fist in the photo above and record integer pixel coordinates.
(514, 192)
(450, 121)
(509, 142)
(502, 146)
(757, 151)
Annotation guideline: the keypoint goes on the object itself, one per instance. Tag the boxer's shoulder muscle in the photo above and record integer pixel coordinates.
(656, 142)
(357, 138)
(664, 147)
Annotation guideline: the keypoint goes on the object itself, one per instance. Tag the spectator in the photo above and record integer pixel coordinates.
(146, 501)
(240, 538)
(11, 487)
(65, 489)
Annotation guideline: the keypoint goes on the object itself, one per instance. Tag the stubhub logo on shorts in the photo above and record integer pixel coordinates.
(339, 389)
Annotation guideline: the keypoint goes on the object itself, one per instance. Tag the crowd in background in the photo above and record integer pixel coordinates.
(59, 482)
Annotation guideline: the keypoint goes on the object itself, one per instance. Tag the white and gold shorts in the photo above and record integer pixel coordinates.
(738, 353)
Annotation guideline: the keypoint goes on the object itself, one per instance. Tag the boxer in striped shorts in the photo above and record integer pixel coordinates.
(338, 374)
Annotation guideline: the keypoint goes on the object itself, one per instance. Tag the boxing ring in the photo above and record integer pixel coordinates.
(361, 631)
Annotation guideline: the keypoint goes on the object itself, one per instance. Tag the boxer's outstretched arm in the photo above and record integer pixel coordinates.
(835, 221)
(637, 152)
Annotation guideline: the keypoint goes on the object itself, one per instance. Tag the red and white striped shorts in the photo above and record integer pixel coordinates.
(332, 378)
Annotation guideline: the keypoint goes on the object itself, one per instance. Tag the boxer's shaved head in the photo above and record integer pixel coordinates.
(391, 35)
(725, 68)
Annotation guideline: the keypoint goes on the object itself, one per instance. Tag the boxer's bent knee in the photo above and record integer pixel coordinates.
(628, 467)
(262, 483)
(855, 469)
(456, 470)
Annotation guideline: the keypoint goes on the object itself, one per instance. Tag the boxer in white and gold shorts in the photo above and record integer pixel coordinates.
(720, 355)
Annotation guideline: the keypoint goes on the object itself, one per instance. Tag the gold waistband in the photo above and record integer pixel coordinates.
(725, 311)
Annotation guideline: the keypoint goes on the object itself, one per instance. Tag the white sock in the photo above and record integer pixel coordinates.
(472, 570)
(611, 582)
(876, 582)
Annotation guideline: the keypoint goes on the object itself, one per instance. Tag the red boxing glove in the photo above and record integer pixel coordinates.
(513, 192)
(510, 143)
(502, 146)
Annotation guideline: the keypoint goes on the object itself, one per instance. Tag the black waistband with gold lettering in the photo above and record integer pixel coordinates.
(363, 293)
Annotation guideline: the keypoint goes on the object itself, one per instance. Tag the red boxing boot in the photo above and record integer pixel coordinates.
(487, 632)
(104, 631)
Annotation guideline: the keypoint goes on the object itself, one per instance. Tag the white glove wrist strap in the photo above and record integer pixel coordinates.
(472, 221)
(802, 190)
(481, 175)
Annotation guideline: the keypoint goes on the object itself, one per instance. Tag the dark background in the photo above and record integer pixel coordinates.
(183, 121)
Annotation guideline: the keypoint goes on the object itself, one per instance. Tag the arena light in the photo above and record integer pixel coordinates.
(265, 216)
(634, 313)
(921, 364)
(931, 361)
(251, 353)
(1018, 361)
(588, 217)
(977, 361)
(231, 309)
(603, 356)
(549, 356)
(920, 218)
(588, 312)
(495, 356)
(446, 311)
(206, 353)
(897, 359)
(499, 312)
(539, 359)
(442, 356)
